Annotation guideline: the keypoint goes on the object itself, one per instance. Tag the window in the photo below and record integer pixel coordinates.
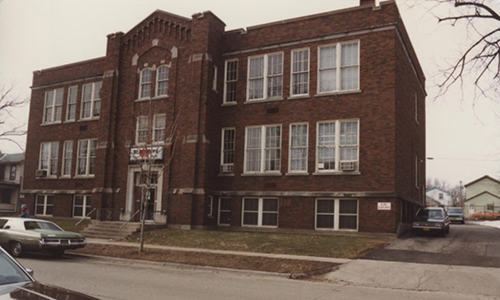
(82, 205)
(227, 153)
(145, 86)
(67, 155)
(71, 108)
(214, 80)
(265, 76)
(336, 214)
(210, 206)
(298, 148)
(339, 67)
(263, 151)
(12, 173)
(262, 212)
(224, 211)
(159, 128)
(142, 128)
(337, 146)
(440, 196)
(91, 100)
(300, 72)
(86, 157)
(44, 205)
(161, 81)
(53, 106)
(49, 153)
(230, 80)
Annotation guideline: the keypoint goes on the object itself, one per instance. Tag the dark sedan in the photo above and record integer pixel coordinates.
(431, 219)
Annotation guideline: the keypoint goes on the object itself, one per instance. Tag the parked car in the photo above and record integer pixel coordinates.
(18, 283)
(20, 235)
(431, 219)
(485, 214)
(456, 214)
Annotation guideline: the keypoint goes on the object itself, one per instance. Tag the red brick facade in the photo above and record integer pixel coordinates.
(387, 106)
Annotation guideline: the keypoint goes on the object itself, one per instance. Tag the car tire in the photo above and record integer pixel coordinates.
(16, 249)
(463, 222)
(57, 253)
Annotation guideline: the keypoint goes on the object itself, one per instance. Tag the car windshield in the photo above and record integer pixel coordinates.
(455, 210)
(31, 225)
(424, 214)
(10, 272)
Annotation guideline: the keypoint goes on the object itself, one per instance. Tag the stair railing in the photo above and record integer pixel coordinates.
(125, 223)
(83, 218)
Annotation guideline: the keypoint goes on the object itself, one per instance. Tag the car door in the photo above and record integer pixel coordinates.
(3, 235)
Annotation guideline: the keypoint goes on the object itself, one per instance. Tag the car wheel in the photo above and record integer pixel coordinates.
(16, 249)
(463, 222)
(57, 253)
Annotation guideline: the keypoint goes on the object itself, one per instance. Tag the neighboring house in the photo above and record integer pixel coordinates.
(482, 194)
(429, 201)
(11, 177)
(442, 197)
(312, 123)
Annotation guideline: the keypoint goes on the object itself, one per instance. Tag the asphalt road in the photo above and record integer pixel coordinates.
(111, 279)
(466, 245)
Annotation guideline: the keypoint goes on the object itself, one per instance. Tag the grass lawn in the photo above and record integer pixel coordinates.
(68, 224)
(279, 243)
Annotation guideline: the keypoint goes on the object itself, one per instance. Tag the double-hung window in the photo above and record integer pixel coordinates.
(262, 212)
(12, 173)
(337, 146)
(53, 106)
(298, 147)
(44, 205)
(338, 67)
(49, 153)
(87, 150)
(67, 155)
(227, 153)
(300, 72)
(141, 135)
(224, 211)
(159, 128)
(265, 77)
(263, 149)
(91, 100)
(336, 214)
(230, 80)
(71, 108)
(145, 84)
(161, 81)
(82, 205)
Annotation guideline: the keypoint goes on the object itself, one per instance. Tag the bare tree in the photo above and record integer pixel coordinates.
(8, 103)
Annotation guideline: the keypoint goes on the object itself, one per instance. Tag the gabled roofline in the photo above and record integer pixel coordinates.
(436, 188)
(484, 177)
(485, 192)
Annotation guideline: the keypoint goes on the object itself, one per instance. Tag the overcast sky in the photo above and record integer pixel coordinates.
(463, 139)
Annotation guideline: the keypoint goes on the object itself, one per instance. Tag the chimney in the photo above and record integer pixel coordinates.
(367, 2)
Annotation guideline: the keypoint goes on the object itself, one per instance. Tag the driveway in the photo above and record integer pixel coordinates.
(466, 245)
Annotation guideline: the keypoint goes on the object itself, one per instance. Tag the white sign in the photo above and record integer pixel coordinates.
(143, 153)
(384, 205)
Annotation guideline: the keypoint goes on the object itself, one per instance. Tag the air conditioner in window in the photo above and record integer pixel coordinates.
(347, 165)
(226, 168)
(41, 173)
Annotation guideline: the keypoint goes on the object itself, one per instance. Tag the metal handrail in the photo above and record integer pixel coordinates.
(83, 218)
(125, 223)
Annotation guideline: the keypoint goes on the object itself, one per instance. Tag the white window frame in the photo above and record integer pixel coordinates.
(50, 158)
(65, 159)
(336, 215)
(214, 79)
(93, 101)
(54, 107)
(83, 206)
(220, 210)
(45, 205)
(260, 212)
(72, 102)
(230, 82)
(224, 150)
(138, 130)
(87, 158)
(338, 67)
(337, 145)
(263, 148)
(160, 141)
(265, 76)
(142, 84)
(158, 81)
(291, 147)
(292, 72)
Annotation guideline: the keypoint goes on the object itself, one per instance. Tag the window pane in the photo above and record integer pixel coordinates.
(348, 206)
(326, 206)
(225, 204)
(348, 222)
(323, 221)
(270, 219)
(251, 204)
(87, 92)
(250, 218)
(270, 205)
(79, 200)
(78, 212)
(49, 209)
(328, 57)
(224, 217)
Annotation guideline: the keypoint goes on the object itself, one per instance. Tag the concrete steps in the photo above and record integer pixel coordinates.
(109, 229)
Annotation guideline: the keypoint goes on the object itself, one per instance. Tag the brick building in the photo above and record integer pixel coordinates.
(313, 123)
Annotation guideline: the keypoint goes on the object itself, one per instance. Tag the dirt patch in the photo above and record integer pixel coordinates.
(288, 266)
